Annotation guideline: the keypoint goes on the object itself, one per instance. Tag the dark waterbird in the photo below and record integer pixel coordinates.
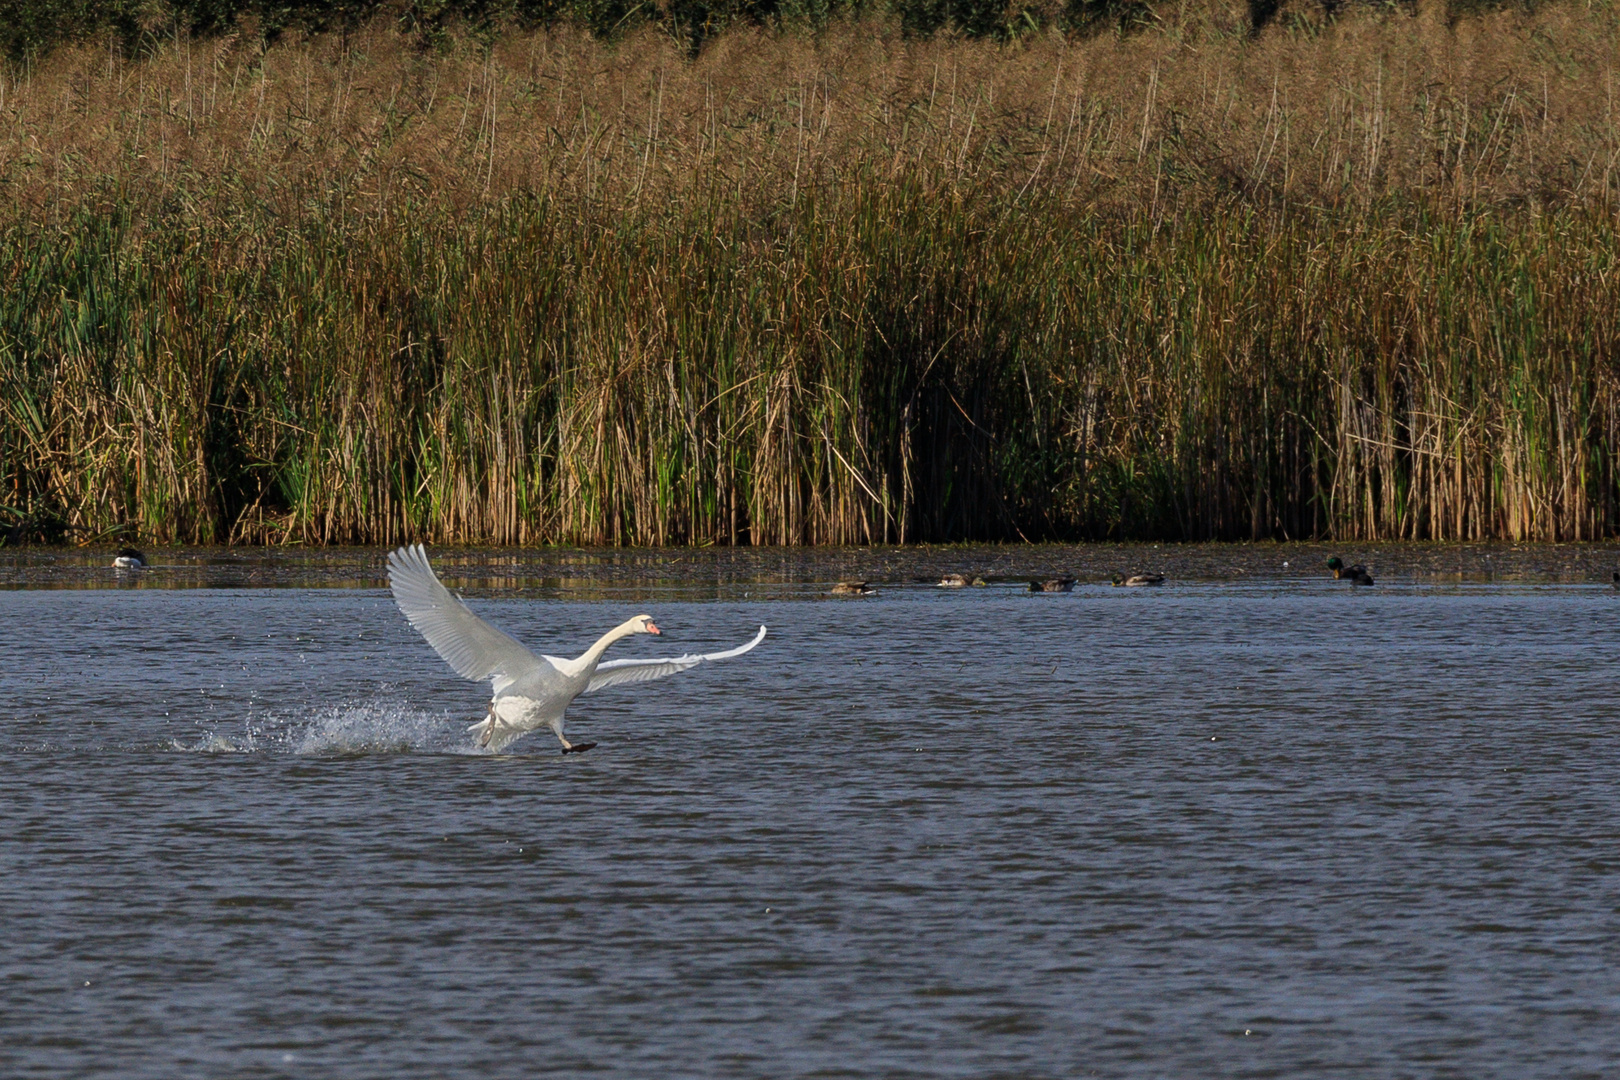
(129, 559)
(1057, 584)
(1356, 574)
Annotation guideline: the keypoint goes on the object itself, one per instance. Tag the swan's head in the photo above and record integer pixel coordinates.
(643, 624)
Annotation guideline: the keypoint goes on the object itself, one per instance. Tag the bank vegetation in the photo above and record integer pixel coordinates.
(1348, 276)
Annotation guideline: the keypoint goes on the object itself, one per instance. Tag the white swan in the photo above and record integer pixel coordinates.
(530, 691)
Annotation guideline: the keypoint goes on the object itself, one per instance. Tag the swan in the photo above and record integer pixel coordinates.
(1357, 574)
(530, 691)
(128, 559)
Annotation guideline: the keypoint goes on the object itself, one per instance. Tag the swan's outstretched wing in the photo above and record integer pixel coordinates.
(614, 672)
(469, 644)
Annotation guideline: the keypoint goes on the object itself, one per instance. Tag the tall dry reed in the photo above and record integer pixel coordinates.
(1354, 279)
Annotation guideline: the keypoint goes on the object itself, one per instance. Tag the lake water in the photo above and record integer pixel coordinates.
(1266, 826)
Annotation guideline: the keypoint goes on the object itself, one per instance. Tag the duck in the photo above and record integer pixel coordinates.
(1137, 580)
(852, 588)
(530, 691)
(1357, 574)
(1057, 584)
(1617, 579)
(959, 581)
(128, 559)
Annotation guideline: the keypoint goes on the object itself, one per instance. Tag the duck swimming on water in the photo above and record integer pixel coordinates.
(530, 691)
(959, 581)
(1138, 580)
(852, 588)
(1057, 584)
(1356, 574)
(128, 559)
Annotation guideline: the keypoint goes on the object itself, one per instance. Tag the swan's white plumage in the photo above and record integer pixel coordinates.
(475, 649)
(530, 691)
(615, 672)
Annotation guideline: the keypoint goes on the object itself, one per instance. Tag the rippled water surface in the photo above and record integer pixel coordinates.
(1265, 826)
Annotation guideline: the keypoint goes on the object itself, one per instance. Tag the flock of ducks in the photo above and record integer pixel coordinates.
(1036, 585)
(1057, 584)
(1355, 575)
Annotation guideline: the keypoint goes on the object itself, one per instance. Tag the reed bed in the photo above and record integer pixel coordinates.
(1353, 280)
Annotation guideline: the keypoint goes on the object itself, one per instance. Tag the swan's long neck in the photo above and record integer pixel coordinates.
(591, 657)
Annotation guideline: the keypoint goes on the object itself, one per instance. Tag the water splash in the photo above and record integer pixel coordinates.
(215, 743)
(379, 726)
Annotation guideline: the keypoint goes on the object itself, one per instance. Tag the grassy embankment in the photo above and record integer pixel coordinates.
(1357, 279)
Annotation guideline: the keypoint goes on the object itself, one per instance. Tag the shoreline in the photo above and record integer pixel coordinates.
(567, 572)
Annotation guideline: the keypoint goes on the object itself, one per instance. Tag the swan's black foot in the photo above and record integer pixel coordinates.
(578, 748)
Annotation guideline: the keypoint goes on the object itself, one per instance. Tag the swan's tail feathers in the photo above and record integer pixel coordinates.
(490, 734)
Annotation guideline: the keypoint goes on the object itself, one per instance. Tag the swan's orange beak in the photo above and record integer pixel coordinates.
(651, 629)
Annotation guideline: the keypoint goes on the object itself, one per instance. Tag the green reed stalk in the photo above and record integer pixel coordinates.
(881, 361)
